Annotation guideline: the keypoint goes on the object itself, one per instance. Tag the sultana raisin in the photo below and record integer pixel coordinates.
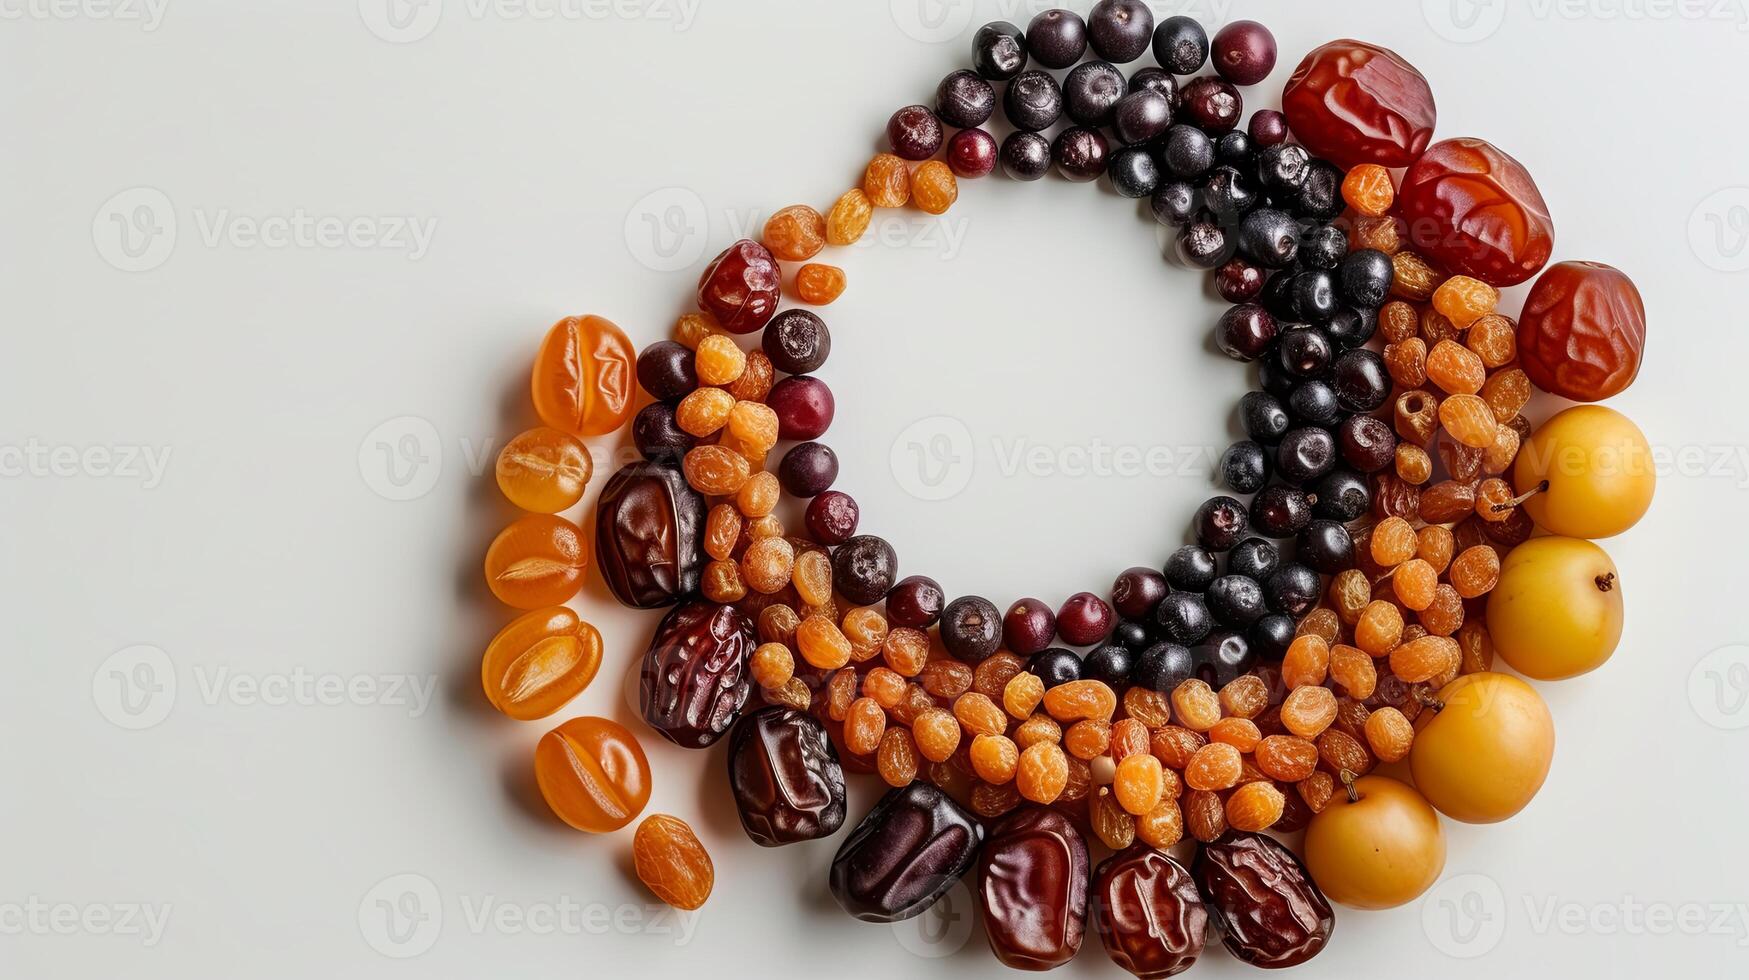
(866, 629)
(1424, 658)
(818, 284)
(885, 686)
(1455, 368)
(1413, 464)
(793, 694)
(1464, 300)
(1389, 734)
(1506, 393)
(1307, 661)
(767, 564)
(1205, 815)
(849, 217)
(1255, 806)
(715, 471)
(753, 426)
(721, 581)
(1111, 823)
(671, 862)
(1368, 190)
(1308, 711)
(990, 678)
(1398, 321)
(1039, 728)
(1447, 500)
(1380, 628)
(1161, 827)
(1349, 593)
(896, 758)
(946, 678)
(1087, 739)
(1414, 278)
(991, 802)
(1469, 420)
(1476, 646)
(1499, 457)
(1214, 766)
(915, 702)
(722, 528)
(887, 181)
(1241, 697)
(1140, 783)
(937, 733)
(1338, 751)
(1435, 546)
(1446, 613)
(1288, 758)
(694, 327)
(1494, 339)
(1174, 745)
(933, 187)
(795, 233)
(1353, 668)
(1384, 233)
(1323, 622)
(1406, 362)
(755, 382)
(1043, 772)
(1128, 737)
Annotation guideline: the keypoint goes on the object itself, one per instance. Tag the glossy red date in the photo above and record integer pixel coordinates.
(694, 680)
(785, 775)
(1583, 332)
(741, 287)
(1268, 910)
(1352, 103)
(1476, 211)
(1148, 913)
(1032, 882)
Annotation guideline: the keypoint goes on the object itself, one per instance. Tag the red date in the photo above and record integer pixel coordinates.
(694, 680)
(785, 775)
(1477, 212)
(1148, 913)
(741, 287)
(1354, 103)
(1269, 912)
(905, 854)
(649, 535)
(1583, 332)
(1032, 881)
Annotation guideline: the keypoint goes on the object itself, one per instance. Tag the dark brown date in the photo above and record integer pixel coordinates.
(1269, 912)
(694, 680)
(1032, 882)
(786, 778)
(1148, 913)
(905, 854)
(649, 535)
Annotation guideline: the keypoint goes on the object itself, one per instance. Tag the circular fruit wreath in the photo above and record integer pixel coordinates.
(1342, 623)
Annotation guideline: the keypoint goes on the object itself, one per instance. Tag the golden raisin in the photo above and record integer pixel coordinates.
(1323, 622)
(848, 217)
(1446, 614)
(755, 382)
(754, 426)
(1306, 662)
(946, 679)
(1499, 457)
(721, 581)
(933, 187)
(793, 694)
(1022, 694)
(1380, 628)
(1128, 737)
(1469, 420)
(1423, 659)
(1216, 765)
(1393, 542)
(715, 471)
(866, 629)
(990, 678)
(896, 759)
(1174, 745)
(1039, 728)
(885, 686)
(1242, 697)
(887, 181)
(1147, 706)
(670, 860)
(1205, 815)
(822, 644)
(772, 665)
(1477, 647)
(991, 802)
(1195, 705)
(1494, 339)
(915, 702)
(812, 577)
(864, 726)
(1308, 711)
(1415, 280)
(1353, 668)
(1435, 545)
(840, 694)
(795, 233)
(1414, 582)
(1088, 699)
(1240, 733)
(937, 733)
(1398, 321)
(1087, 739)
(1286, 757)
(1338, 750)
(906, 650)
(1384, 233)
(1140, 783)
(1389, 734)
(1475, 572)
(1455, 368)
(1406, 362)
(979, 715)
(722, 529)
(766, 565)
(994, 758)
(1255, 806)
(1043, 772)
(1368, 190)
(1413, 464)
(1111, 823)
(1464, 300)
(719, 360)
(1161, 827)
(818, 284)
(703, 411)
(1506, 393)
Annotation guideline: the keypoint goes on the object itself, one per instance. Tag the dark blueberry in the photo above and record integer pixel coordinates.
(1120, 29)
(1190, 569)
(1315, 295)
(1239, 281)
(1293, 590)
(914, 132)
(999, 51)
(1245, 332)
(1245, 467)
(971, 628)
(1305, 353)
(1026, 156)
(1029, 627)
(1137, 592)
(1033, 101)
(1110, 664)
(1212, 103)
(1159, 80)
(831, 518)
(1235, 600)
(1175, 204)
(1220, 523)
(1133, 635)
(1091, 91)
(808, 469)
(863, 569)
(915, 602)
(1264, 417)
(1204, 244)
(1361, 380)
(1269, 238)
(1235, 150)
(1275, 379)
(1342, 496)
(1350, 327)
(797, 342)
(1162, 667)
(1134, 172)
(1181, 46)
(1141, 117)
(1368, 444)
(1282, 168)
(1254, 558)
(657, 435)
(1080, 153)
(1055, 666)
(1083, 619)
(1184, 618)
(1267, 127)
(1244, 52)
(1057, 38)
(1320, 196)
(963, 100)
(1271, 636)
(665, 370)
(1278, 294)
(1366, 277)
(1188, 152)
(1326, 546)
(1280, 511)
(1229, 194)
(1315, 403)
(1305, 454)
(1322, 246)
(1223, 657)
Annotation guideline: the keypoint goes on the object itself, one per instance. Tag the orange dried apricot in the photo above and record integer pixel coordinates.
(540, 661)
(670, 860)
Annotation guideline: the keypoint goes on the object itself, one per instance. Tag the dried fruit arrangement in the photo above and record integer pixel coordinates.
(1320, 659)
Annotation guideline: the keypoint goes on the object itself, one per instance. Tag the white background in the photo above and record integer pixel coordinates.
(591, 163)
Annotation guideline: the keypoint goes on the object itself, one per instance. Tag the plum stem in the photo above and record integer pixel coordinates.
(1521, 498)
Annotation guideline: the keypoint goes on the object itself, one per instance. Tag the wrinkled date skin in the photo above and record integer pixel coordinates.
(1149, 913)
(786, 778)
(1476, 211)
(1032, 882)
(1583, 332)
(1268, 910)
(1353, 103)
(905, 854)
(694, 681)
(649, 535)
(741, 287)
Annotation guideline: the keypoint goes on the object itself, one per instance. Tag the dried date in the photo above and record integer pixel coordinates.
(1032, 884)
(786, 778)
(1266, 906)
(694, 681)
(905, 854)
(1148, 913)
